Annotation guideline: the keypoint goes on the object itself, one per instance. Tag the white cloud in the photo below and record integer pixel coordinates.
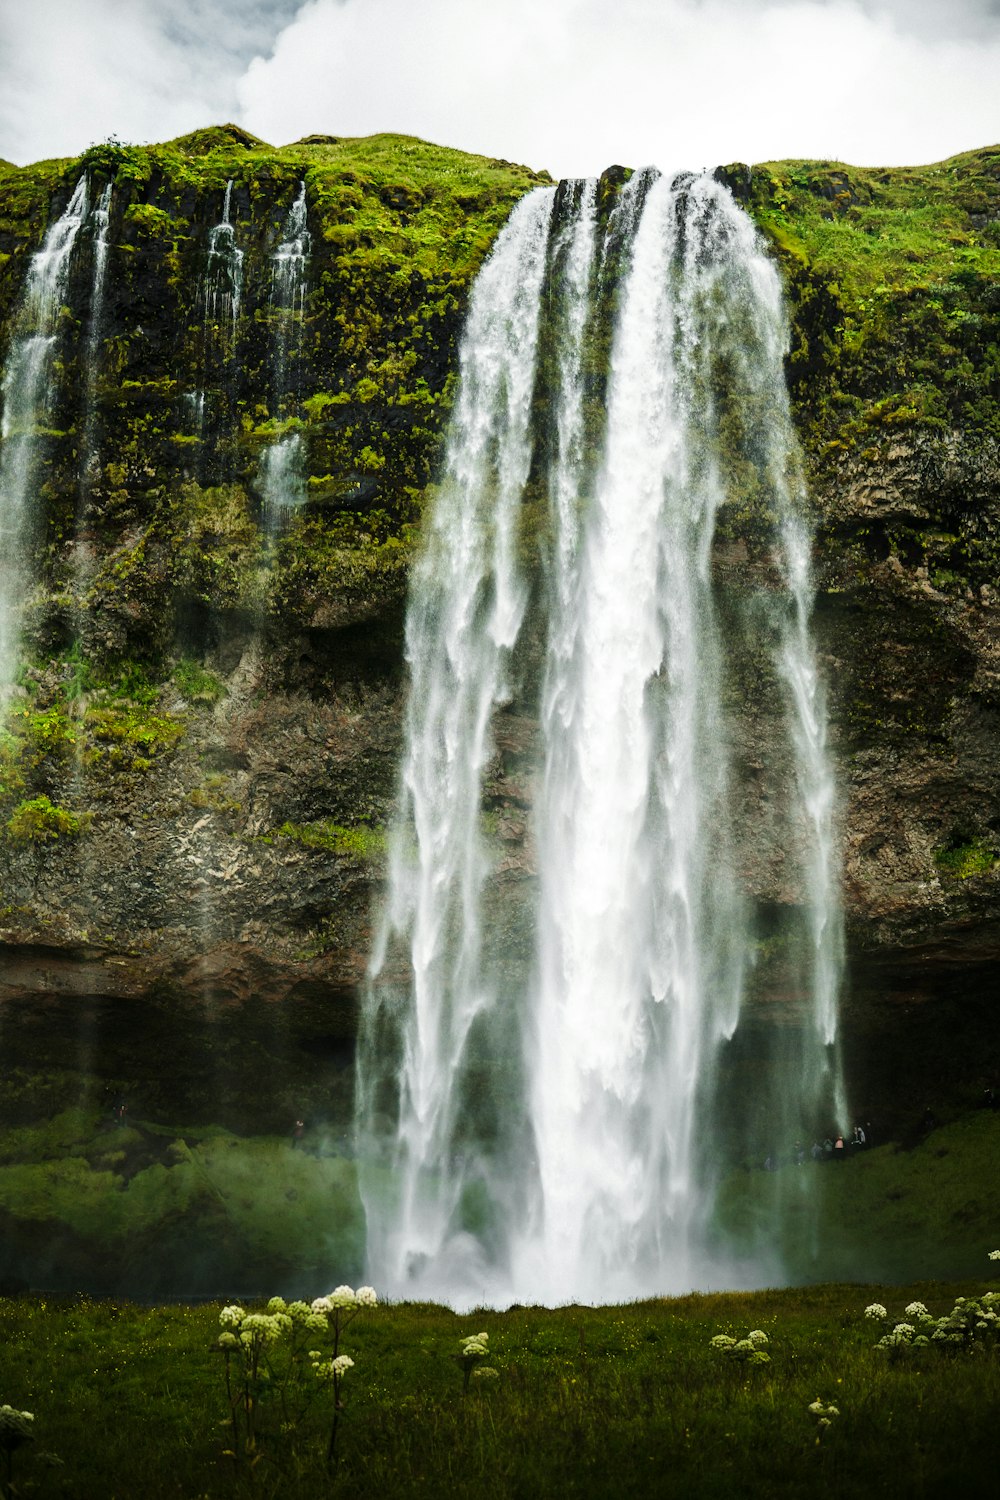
(77, 71)
(576, 84)
(567, 84)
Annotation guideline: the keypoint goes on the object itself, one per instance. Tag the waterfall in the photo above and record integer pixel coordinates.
(550, 1131)
(27, 397)
(465, 613)
(100, 218)
(223, 284)
(281, 476)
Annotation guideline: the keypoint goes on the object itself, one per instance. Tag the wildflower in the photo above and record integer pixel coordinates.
(995, 1255)
(228, 1340)
(366, 1296)
(875, 1310)
(342, 1364)
(232, 1316)
(277, 1305)
(343, 1296)
(263, 1326)
(15, 1426)
(916, 1310)
(322, 1305)
(757, 1336)
(722, 1341)
(486, 1372)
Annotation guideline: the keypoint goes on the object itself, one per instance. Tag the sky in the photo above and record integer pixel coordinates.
(567, 85)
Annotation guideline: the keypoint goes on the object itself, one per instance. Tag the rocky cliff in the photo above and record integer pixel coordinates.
(200, 756)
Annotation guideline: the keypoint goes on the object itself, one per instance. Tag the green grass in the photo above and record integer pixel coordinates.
(889, 1214)
(617, 1401)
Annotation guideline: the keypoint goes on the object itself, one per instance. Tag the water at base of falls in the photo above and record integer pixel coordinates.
(539, 1098)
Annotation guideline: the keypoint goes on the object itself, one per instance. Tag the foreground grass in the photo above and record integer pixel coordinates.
(590, 1402)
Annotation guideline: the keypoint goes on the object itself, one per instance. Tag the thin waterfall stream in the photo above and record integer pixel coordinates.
(281, 477)
(552, 1132)
(27, 396)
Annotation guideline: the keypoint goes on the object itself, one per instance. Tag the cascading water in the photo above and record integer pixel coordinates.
(27, 396)
(466, 609)
(553, 1136)
(100, 219)
(223, 285)
(281, 477)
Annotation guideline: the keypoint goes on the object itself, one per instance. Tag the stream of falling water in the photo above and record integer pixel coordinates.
(27, 396)
(223, 284)
(554, 1136)
(281, 477)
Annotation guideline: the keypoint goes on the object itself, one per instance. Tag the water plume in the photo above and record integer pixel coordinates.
(553, 1132)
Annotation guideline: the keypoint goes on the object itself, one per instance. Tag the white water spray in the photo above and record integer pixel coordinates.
(555, 1137)
(466, 608)
(27, 397)
(223, 284)
(281, 477)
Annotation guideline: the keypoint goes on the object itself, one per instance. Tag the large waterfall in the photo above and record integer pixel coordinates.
(26, 399)
(550, 1130)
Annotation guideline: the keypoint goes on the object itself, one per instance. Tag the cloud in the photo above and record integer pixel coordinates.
(77, 71)
(567, 84)
(575, 84)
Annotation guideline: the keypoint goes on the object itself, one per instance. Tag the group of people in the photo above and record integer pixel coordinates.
(831, 1148)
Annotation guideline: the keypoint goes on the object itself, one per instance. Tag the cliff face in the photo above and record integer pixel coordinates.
(200, 759)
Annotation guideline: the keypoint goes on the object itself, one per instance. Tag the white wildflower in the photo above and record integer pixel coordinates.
(916, 1310)
(366, 1296)
(343, 1296)
(277, 1305)
(757, 1336)
(322, 1305)
(875, 1310)
(14, 1423)
(486, 1372)
(722, 1341)
(231, 1316)
(342, 1364)
(228, 1340)
(995, 1255)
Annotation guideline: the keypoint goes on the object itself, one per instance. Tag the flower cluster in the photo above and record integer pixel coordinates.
(241, 1328)
(972, 1321)
(875, 1310)
(475, 1349)
(995, 1255)
(346, 1299)
(325, 1368)
(824, 1412)
(747, 1350)
(15, 1427)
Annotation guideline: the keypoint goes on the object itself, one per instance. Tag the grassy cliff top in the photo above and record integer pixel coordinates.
(871, 228)
(387, 176)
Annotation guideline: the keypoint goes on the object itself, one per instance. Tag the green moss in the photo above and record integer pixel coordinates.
(893, 277)
(127, 736)
(195, 683)
(39, 821)
(963, 861)
(361, 842)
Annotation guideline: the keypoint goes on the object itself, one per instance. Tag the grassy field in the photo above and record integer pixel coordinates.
(620, 1401)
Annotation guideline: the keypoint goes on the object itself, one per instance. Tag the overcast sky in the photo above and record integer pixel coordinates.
(570, 85)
